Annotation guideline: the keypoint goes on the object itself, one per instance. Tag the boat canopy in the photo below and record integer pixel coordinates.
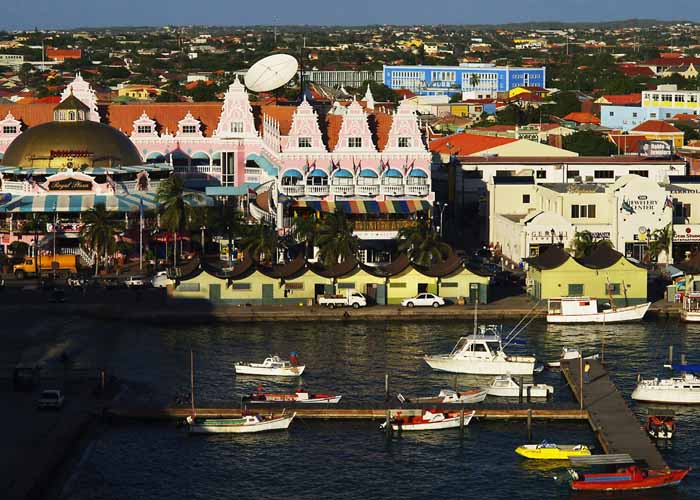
(686, 368)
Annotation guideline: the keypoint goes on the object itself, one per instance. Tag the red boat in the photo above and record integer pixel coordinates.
(628, 478)
(300, 396)
(660, 426)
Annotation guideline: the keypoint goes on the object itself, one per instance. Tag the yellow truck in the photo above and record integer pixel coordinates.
(63, 265)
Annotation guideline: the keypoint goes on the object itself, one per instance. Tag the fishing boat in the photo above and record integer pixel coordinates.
(506, 386)
(481, 354)
(272, 366)
(691, 307)
(627, 475)
(550, 451)
(430, 420)
(448, 396)
(684, 389)
(660, 424)
(569, 353)
(586, 310)
(245, 424)
(300, 396)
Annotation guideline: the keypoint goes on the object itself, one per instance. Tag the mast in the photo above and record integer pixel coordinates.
(192, 381)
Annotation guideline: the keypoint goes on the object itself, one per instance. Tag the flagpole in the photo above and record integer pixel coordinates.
(141, 236)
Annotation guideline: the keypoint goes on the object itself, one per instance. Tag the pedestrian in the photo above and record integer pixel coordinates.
(586, 373)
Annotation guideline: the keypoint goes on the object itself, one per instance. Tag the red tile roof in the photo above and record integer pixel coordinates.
(61, 54)
(627, 143)
(166, 115)
(655, 126)
(581, 117)
(467, 144)
(622, 100)
(29, 114)
(635, 70)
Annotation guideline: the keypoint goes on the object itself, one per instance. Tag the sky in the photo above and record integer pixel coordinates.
(27, 14)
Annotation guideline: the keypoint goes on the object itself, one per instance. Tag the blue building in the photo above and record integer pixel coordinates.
(628, 117)
(450, 80)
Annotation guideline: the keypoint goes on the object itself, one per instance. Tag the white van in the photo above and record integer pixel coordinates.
(161, 280)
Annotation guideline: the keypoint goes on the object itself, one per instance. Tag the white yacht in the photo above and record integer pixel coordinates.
(569, 353)
(481, 354)
(585, 310)
(684, 389)
(505, 386)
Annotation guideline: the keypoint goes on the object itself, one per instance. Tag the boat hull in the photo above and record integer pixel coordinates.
(480, 367)
(477, 397)
(616, 482)
(690, 316)
(294, 371)
(559, 453)
(330, 400)
(448, 423)
(536, 391)
(670, 396)
(211, 426)
(619, 315)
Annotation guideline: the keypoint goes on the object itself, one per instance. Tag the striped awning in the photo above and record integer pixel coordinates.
(366, 207)
(83, 202)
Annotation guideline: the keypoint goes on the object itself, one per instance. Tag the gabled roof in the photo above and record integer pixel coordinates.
(627, 143)
(656, 126)
(601, 257)
(467, 144)
(166, 115)
(581, 117)
(551, 258)
(623, 100)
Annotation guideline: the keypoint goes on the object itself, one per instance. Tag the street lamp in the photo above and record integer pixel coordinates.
(203, 228)
(441, 207)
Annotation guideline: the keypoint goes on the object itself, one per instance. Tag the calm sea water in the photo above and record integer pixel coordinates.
(334, 460)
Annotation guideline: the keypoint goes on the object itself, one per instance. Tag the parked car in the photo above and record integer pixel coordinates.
(76, 281)
(354, 299)
(161, 280)
(51, 398)
(135, 282)
(110, 283)
(424, 300)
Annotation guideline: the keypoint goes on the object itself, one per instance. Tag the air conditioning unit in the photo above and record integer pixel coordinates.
(589, 178)
(578, 179)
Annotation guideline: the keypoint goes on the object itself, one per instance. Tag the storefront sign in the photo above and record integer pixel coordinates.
(548, 237)
(70, 184)
(641, 203)
(686, 233)
(69, 153)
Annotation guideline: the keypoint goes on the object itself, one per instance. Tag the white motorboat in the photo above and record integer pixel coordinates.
(449, 396)
(585, 310)
(481, 354)
(505, 386)
(684, 389)
(429, 421)
(300, 396)
(691, 307)
(569, 353)
(272, 366)
(245, 424)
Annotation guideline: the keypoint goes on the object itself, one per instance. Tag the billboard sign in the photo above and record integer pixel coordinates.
(655, 148)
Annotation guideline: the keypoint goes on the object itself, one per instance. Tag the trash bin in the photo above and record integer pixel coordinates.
(671, 293)
(461, 301)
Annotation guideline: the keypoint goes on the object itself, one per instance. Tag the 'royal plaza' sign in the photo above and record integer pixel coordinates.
(70, 184)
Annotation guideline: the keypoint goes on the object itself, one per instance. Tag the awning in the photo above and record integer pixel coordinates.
(83, 202)
(366, 207)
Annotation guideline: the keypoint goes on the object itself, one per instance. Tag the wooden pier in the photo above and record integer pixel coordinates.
(617, 428)
(504, 412)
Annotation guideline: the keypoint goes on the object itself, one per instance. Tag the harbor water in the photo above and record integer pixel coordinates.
(349, 459)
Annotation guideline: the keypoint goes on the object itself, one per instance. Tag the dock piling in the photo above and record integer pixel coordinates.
(683, 359)
(529, 389)
(520, 390)
(529, 425)
(461, 423)
(670, 354)
(388, 428)
(386, 387)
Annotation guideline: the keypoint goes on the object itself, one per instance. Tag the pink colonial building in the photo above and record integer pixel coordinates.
(369, 162)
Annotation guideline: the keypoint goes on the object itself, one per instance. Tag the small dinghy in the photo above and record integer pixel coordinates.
(300, 396)
(243, 425)
(661, 425)
(550, 451)
(569, 353)
(429, 421)
(272, 366)
(505, 386)
(448, 396)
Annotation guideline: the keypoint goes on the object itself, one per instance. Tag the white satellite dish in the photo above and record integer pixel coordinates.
(271, 72)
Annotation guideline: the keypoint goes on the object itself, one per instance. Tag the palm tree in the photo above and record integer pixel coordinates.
(305, 230)
(175, 211)
(97, 233)
(34, 226)
(422, 244)
(583, 244)
(661, 242)
(474, 80)
(260, 242)
(336, 240)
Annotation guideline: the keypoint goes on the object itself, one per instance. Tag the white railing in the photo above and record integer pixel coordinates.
(16, 186)
(367, 190)
(88, 258)
(343, 190)
(417, 190)
(292, 190)
(260, 215)
(392, 189)
(317, 190)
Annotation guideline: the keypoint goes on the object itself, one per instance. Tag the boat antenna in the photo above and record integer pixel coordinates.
(476, 310)
(523, 319)
(512, 337)
(192, 380)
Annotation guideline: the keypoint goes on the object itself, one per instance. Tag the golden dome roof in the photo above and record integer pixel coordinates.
(71, 144)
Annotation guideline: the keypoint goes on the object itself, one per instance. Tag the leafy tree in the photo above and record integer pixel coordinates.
(588, 143)
(380, 92)
(584, 244)
(261, 243)
(661, 242)
(691, 133)
(203, 92)
(422, 244)
(456, 97)
(336, 240)
(564, 103)
(98, 231)
(305, 230)
(474, 80)
(19, 249)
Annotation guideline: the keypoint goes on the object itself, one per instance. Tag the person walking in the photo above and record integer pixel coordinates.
(586, 373)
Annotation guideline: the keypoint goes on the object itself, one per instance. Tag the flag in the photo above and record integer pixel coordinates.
(627, 207)
(357, 167)
(668, 203)
(306, 166)
(111, 183)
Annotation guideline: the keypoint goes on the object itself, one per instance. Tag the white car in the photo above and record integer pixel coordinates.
(50, 398)
(161, 280)
(424, 300)
(135, 282)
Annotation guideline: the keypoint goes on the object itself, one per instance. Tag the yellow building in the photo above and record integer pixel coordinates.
(140, 92)
(554, 273)
(659, 130)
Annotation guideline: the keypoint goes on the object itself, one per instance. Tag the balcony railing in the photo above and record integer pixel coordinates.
(417, 190)
(343, 190)
(367, 189)
(293, 190)
(392, 189)
(317, 190)
(382, 225)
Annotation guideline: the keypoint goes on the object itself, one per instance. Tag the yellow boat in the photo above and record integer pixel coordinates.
(549, 451)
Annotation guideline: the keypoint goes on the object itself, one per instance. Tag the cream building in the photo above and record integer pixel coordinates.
(526, 218)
